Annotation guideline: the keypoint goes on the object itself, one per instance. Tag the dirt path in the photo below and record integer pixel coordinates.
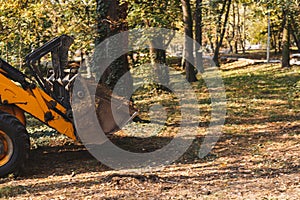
(238, 168)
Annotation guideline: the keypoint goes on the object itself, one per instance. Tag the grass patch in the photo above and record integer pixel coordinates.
(12, 191)
(260, 98)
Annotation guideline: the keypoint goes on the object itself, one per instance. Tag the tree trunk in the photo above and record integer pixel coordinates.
(6, 51)
(20, 47)
(238, 32)
(198, 33)
(274, 39)
(235, 27)
(221, 28)
(188, 43)
(295, 32)
(297, 41)
(158, 61)
(286, 41)
(233, 38)
(111, 21)
(244, 30)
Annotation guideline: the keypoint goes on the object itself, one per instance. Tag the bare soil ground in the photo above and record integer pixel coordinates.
(257, 156)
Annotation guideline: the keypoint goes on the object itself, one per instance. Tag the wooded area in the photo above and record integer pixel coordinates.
(228, 26)
(252, 46)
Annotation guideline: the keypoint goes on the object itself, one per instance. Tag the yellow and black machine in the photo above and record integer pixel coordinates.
(46, 98)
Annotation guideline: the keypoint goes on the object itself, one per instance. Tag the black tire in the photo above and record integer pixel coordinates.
(14, 145)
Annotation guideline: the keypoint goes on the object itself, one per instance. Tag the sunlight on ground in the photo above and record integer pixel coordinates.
(256, 157)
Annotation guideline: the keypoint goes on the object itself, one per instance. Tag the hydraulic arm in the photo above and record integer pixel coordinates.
(34, 101)
(48, 101)
(47, 98)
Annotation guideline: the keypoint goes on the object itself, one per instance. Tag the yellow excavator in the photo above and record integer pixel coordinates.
(45, 97)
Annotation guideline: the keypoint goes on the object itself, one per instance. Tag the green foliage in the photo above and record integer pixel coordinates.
(27, 25)
(277, 10)
(161, 13)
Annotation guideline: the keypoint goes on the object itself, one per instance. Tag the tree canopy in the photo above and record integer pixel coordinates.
(230, 24)
(25, 25)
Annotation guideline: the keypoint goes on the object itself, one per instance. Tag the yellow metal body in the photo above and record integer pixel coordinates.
(35, 102)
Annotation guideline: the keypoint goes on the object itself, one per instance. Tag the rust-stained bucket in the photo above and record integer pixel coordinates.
(113, 111)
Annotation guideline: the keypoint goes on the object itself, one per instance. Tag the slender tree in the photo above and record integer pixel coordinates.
(286, 40)
(295, 32)
(198, 34)
(188, 43)
(221, 29)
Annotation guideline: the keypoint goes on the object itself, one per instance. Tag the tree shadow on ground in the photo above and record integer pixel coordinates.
(75, 159)
(68, 159)
(246, 154)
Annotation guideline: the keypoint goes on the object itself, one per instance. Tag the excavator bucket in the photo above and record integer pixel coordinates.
(113, 111)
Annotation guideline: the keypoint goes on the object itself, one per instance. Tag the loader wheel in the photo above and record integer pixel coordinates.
(14, 145)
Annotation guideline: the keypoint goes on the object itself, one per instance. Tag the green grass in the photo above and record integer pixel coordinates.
(264, 92)
(12, 191)
(256, 95)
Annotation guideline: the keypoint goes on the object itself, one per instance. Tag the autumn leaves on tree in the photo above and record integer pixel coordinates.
(218, 25)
